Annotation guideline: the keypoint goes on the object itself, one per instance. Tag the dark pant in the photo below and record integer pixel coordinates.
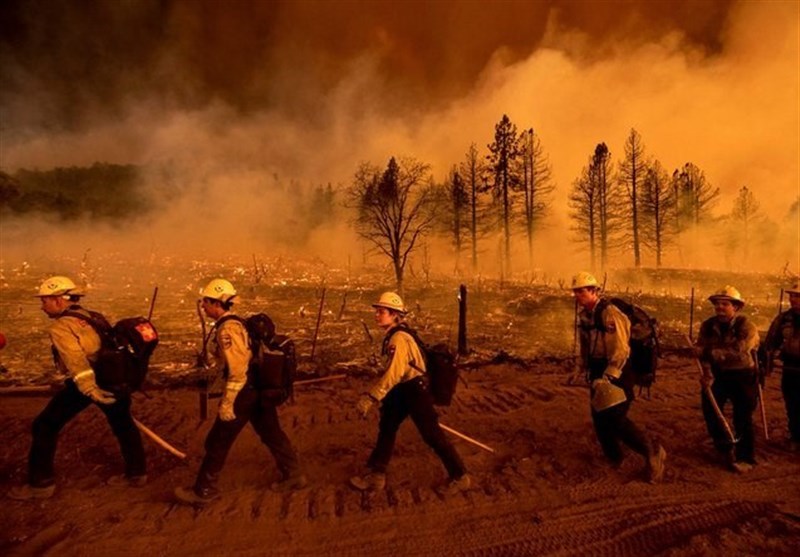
(790, 386)
(64, 406)
(740, 387)
(412, 398)
(613, 425)
(248, 407)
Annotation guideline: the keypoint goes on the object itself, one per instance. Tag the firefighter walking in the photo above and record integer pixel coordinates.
(75, 347)
(605, 361)
(725, 348)
(241, 403)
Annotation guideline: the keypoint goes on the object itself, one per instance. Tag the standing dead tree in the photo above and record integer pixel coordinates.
(471, 170)
(504, 155)
(583, 210)
(391, 208)
(459, 200)
(631, 172)
(657, 206)
(537, 184)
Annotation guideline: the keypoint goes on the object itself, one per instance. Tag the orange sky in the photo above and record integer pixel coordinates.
(233, 91)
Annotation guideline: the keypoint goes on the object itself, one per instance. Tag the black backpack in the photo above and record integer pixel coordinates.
(273, 361)
(440, 366)
(125, 350)
(643, 342)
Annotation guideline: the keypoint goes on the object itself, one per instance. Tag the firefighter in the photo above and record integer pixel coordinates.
(783, 343)
(241, 403)
(402, 392)
(75, 346)
(605, 361)
(725, 348)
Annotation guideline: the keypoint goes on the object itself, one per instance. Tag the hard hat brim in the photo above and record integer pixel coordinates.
(731, 299)
(384, 306)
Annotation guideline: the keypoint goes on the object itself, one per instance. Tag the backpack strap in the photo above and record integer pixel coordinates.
(599, 308)
(96, 321)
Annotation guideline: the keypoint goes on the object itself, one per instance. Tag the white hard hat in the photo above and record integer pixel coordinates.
(390, 300)
(606, 395)
(583, 280)
(58, 286)
(728, 293)
(219, 289)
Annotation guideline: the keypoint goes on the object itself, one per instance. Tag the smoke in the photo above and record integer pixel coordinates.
(300, 93)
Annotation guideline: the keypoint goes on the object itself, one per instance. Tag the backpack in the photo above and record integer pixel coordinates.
(273, 360)
(125, 349)
(440, 365)
(643, 341)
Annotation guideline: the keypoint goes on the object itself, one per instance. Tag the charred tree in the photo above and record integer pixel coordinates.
(471, 170)
(459, 199)
(657, 202)
(695, 196)
(583, 211)
(391, 209)
(504, 155)
(744, 216)
(631, 172)
(537, 185)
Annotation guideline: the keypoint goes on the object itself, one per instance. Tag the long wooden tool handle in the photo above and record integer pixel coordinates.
(763, 410)
(159, 441)
(465, 438)
(710, 396)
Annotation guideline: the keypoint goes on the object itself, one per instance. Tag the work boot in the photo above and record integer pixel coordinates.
(373, 481)
(121, 480)
(655, 465)
(291, 483)
(28, 492)
(455, 486)
(194, 496)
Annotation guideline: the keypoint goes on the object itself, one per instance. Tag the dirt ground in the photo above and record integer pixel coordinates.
(545, 491)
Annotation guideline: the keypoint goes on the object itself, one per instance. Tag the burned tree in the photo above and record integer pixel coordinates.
(744, 216)
(503, 158)
(391, 207)
(537, 184)
(471, 170)
(694, 196)
(595, 204)
(459, 203)
(632, 169)
(583, 210)
(657, 203)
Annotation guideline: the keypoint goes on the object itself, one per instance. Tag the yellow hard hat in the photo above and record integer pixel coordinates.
(58, 286)
(606, 395)
(219, 289)
(728, 293)
(583, 280)
(390, 300)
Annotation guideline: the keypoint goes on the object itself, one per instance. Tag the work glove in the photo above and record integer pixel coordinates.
(232, 388)
(87, 385)
(364, 404)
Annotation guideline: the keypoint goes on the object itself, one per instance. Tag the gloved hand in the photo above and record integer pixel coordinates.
(87, 385)
(226, 413)
(364, 404)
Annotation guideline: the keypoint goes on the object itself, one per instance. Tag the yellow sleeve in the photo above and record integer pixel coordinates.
(234, 344)
(616, 337)
(75, 341)
(405, 362)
